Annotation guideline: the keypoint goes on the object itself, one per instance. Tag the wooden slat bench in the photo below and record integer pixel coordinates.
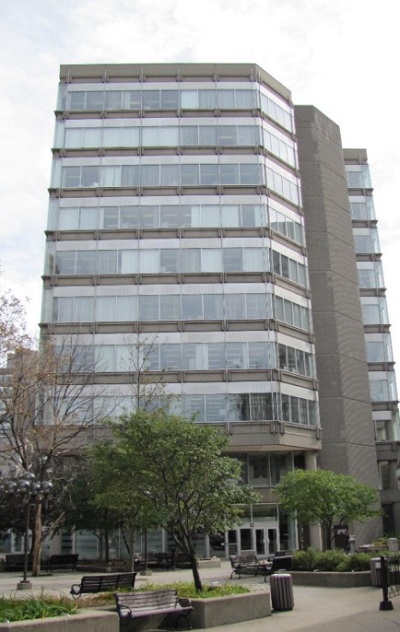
(15, 562)
(152, 603)
(246, 564)
(103, 583)
(279, 563)
(66, 560)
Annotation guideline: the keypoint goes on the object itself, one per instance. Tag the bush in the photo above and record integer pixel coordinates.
(355, 562)
(338, 561)
(329, 560)
(12, 609)
(304, 560)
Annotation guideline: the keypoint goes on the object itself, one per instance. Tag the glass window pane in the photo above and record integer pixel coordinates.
(127, 308)
(151, 99)
(192, 307)
(192, 357)
(233, 260)
(189, 175)
(86, 262)
(215, 407)
(148, 308)
(170, 357)
(169, 260)
(170, 308)
(235, 307)
(216, 355)
(129, 217)
(213, 307)
(258, 355)
(95, 100)
(105, 308)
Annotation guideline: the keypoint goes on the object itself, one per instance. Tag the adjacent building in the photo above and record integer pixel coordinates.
(199, 231)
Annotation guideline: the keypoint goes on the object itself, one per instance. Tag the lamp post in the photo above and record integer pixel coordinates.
(32, 492)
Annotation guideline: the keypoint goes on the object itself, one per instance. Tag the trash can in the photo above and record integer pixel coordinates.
(281, 587)
(376, 572)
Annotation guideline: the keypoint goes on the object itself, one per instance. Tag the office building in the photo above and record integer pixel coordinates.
(199, 224)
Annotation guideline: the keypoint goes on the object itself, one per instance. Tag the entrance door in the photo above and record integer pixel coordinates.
(272, 540)
(246, 539)
(260, 541)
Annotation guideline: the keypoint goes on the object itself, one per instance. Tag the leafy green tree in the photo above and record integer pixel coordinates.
(125, 504)
(77, 494)
(326, 499)
(178, 467)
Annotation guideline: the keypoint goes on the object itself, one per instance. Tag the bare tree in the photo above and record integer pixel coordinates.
(148, 390)
(46, 410)
(13, 334)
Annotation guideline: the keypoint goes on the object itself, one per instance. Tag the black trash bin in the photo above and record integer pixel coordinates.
(281, 587)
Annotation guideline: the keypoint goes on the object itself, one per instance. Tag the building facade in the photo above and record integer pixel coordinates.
(178, 244)
(379, 352)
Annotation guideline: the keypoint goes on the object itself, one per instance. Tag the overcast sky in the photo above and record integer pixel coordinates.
(341, 57)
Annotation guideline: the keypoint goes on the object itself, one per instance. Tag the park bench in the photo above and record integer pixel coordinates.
(60, 561)
(159, 559)
(103, 583)
(245, 564)
(154, 603)
(278, 563)
(15, 562)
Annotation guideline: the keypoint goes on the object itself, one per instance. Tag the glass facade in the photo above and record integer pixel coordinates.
(379, 354)
(175, 242)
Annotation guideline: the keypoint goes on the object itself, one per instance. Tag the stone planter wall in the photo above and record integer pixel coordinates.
(331, 580)
(208, 613)
(87, 621)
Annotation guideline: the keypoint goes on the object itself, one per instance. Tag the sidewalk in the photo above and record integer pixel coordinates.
(315, 609)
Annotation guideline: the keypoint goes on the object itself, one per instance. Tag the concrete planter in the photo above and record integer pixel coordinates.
(209, 613)
(87, 621)
(331, 580)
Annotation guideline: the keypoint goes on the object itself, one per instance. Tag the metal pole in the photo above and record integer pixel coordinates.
(25, 583)
(385, 604)
(26, 541)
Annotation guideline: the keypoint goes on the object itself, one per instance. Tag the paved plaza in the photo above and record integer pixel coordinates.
(315, 609)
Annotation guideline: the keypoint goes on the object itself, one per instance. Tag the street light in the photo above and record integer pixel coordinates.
(32, 492)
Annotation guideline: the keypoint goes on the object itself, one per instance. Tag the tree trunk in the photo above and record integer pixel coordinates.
(37, 546)
(106, 545)
(195, 570)
(132, 549)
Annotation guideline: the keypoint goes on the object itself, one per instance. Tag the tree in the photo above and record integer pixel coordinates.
(147, 391)
(46, 411)
(326, 499)
(179, 467)
(77, 499)
(13, 335)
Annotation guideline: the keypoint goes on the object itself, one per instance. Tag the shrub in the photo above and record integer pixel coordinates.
(304, 560)
(355, 562)
(339, 561)
(329, 560)
(12, 609)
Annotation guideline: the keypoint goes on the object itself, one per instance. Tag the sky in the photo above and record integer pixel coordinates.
(340, 56)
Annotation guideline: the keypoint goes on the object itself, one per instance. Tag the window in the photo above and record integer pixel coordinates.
(170, 308)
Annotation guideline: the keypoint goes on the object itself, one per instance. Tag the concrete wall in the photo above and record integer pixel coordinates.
(95, 621)
(348, 442)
